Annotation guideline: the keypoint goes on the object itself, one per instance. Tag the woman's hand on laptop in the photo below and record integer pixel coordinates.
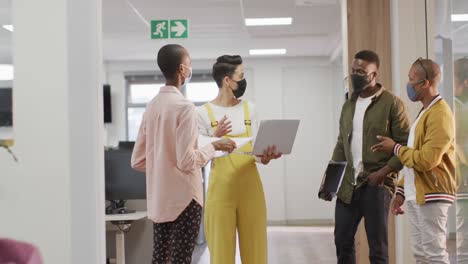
(270, 154)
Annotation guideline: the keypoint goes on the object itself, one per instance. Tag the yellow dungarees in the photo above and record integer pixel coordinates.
(236, 200)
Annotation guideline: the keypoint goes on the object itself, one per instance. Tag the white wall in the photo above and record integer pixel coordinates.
(309, 97)
(305, 88)
(54, 196)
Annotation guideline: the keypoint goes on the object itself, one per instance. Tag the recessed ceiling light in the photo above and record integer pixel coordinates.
(279, 21)
(6, 72)
(8, 27)
(259, 52)
(459, 17)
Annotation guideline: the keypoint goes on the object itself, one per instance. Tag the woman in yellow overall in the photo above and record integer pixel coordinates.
(235, 199)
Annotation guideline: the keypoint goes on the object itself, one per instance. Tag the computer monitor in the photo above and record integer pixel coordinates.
(6, 106)
(123, 182)
(126, 145)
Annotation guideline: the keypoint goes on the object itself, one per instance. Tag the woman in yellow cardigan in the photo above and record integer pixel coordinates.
(429, 184)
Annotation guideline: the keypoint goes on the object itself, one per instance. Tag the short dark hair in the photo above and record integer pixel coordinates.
(169, 59)
(369, 56)
(225, 65)
(462, 69)
(427, 69)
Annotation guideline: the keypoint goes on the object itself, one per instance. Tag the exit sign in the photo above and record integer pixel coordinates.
(165, 29)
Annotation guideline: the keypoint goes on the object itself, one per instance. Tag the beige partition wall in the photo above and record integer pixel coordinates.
(409, 42)
(369, 27)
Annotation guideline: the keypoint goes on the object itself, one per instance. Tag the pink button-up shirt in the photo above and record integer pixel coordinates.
(16, 252)
(167, 150)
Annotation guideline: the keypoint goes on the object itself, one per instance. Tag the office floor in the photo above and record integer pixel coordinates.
(303, 245)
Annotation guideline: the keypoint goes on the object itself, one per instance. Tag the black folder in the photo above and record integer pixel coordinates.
(332, 180)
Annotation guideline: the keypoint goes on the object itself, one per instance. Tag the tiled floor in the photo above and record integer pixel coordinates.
(299, 245)
(290, 245)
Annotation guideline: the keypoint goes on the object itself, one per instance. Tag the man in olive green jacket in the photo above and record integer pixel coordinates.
(369, 180)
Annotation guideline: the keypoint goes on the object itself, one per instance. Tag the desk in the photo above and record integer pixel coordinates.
(124, 221)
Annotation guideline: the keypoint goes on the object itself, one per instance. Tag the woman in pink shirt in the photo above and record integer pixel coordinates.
(167, 150)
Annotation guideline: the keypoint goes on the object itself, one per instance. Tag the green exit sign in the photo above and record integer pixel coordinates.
(174, 28)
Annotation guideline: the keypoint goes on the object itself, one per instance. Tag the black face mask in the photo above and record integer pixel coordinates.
(359, 83)
(241, 87)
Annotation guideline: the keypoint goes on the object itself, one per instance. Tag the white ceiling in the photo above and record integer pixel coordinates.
(217, 27)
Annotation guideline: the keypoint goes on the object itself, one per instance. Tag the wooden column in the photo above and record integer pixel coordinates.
(369, 27)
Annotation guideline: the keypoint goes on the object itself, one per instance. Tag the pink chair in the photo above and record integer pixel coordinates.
(15, 252)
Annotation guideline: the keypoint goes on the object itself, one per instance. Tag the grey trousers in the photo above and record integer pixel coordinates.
(428, 225)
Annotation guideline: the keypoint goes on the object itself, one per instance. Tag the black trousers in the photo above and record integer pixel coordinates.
(372, 203)
(174, 242)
